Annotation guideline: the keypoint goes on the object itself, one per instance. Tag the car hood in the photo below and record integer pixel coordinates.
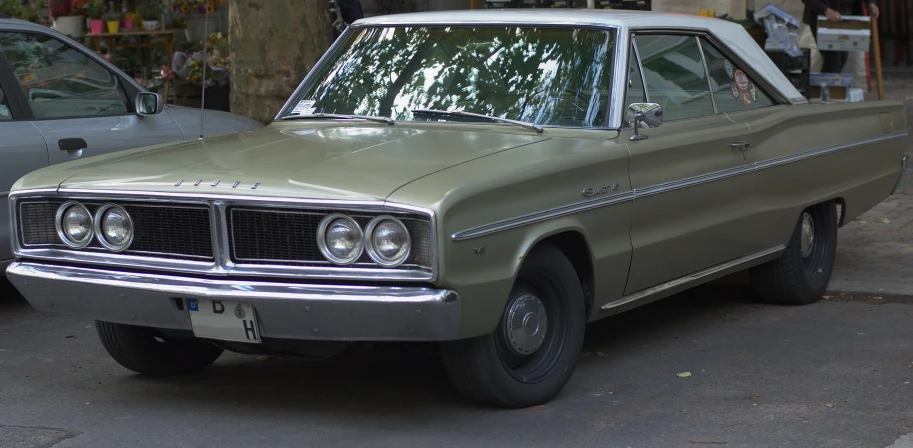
(349, 161)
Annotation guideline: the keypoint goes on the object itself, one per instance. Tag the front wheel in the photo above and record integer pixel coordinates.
(801, 275)
(531, 355)
(148, 351)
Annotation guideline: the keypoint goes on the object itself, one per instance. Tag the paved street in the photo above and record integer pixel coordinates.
(838, 373)
(834, 374)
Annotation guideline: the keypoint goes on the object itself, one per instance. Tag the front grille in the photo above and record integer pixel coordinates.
(162, 231)
(289, 237)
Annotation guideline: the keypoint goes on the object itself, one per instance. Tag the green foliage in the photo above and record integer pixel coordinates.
(95, 9)
(150, 9)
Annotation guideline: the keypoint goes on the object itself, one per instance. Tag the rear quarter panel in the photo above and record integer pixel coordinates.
(816, 152)
(522, 181)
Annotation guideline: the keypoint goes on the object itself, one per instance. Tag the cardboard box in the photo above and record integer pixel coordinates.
(852, 34)
(837, 93)
(831, 79)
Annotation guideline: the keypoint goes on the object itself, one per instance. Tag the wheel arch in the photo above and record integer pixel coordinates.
(575, 246)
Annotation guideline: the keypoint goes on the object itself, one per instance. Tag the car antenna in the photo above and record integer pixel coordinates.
(205, 63)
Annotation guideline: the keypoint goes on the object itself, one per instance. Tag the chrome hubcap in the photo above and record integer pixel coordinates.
(808, 234)
(525, 324)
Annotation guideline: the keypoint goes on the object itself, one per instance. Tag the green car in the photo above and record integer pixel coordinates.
(489, 180)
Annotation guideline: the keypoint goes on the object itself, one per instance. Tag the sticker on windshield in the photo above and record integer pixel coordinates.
(753, 91)
(304, 107)
(735, 90)
(729, 69)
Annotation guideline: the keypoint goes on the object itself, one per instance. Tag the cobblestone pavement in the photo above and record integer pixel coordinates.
(875, 252)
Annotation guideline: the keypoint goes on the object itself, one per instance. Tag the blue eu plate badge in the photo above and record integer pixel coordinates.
(193, 305)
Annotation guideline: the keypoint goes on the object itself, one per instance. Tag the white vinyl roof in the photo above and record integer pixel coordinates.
(730, 34)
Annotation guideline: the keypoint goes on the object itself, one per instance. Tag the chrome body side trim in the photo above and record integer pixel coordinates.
(223, 264)
(284, 310)
(691, 279)
(903, 169)
(542, 216)
(511, 223)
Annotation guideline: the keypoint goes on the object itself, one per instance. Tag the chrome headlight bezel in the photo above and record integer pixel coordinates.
(322, 241)
(58, 225)
(372, 251)
(99, 231)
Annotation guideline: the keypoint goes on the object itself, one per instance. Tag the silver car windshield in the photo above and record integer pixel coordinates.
(551, 76)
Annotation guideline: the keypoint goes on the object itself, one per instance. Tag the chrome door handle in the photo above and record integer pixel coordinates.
(741, 145)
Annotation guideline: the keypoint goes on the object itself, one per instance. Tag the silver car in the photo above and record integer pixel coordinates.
(60, 101)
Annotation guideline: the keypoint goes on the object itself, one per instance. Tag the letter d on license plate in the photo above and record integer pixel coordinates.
(227, 321)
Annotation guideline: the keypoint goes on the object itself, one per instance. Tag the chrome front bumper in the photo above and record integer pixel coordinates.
(284, 310)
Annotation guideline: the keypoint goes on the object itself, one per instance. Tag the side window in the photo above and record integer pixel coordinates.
(733, 90)
(4, 107)
(675, 76)
(59, 81)
(635, 92)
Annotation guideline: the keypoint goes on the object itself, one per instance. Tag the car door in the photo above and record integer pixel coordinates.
(22, 148)
(80, 106)
(692, 208)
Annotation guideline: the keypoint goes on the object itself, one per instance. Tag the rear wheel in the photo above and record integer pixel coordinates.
(531, 355)
(801, 275)
(150, 352)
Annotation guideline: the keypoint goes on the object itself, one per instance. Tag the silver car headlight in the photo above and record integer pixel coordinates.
(388, 241)
(114, 227)
(74, 224)
(340, 239)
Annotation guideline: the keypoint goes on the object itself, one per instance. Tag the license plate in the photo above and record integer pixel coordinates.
(227, 321)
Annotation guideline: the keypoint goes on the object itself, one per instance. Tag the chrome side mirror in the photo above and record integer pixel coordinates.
(148, 103)
(649, 114)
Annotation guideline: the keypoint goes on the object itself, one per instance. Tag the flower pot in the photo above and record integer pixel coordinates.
(96, 26)
(128, 24)
(73, 26)
(113, 26)
(150, 25)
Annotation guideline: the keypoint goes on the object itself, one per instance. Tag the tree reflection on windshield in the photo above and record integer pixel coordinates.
(548, 76)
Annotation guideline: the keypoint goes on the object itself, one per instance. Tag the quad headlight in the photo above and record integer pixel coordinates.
(388, 241)
(385, 239)
(114, 227)
(340, 239)
(74, 224)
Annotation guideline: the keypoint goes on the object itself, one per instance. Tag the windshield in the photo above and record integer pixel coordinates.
(547, 76)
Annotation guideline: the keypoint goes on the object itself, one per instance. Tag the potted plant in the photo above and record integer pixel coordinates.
(151, 12)
(131, 20)
(67, 16)
(112, 19)
(95, 9)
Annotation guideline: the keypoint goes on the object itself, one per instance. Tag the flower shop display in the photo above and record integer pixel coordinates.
(16, 10)
(192, 13)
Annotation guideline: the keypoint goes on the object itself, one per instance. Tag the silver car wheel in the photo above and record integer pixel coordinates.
(807, 239)
(525, 324)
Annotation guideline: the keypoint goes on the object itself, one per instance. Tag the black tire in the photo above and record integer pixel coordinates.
(794, 279)
(147, 351)
(486, 370)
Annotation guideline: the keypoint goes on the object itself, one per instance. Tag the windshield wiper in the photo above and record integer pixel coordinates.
(386, 120)
(460, 113)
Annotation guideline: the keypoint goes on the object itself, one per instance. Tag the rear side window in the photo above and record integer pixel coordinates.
(674, 75)
(733, 89)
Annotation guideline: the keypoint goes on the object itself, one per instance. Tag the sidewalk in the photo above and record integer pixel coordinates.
(875, 252)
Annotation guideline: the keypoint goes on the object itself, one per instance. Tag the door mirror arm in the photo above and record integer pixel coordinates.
(647, 114)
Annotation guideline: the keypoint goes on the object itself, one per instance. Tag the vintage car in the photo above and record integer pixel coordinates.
(489, 180)
(59, 101)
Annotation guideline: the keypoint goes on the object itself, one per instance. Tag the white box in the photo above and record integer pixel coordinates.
(852, 34)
